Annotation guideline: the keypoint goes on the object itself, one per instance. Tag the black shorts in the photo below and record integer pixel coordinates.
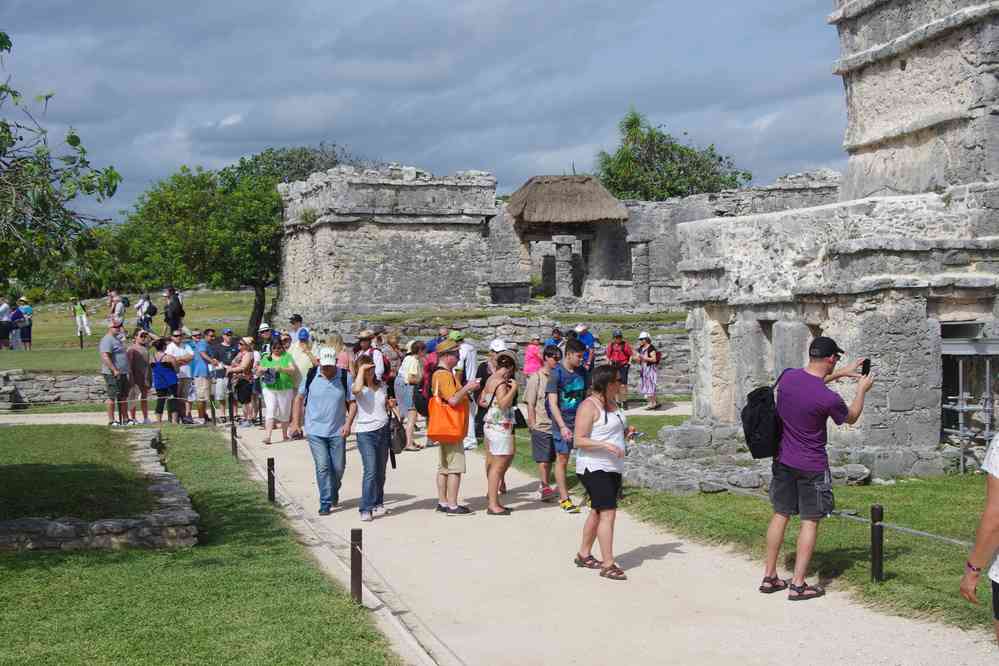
(542, 446)
(794, 491)
(995, 600)
(602, 487)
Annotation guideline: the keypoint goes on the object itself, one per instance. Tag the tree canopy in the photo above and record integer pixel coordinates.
(38, 184)
(652, 165)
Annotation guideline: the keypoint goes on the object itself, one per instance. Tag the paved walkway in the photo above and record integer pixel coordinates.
(503, 590)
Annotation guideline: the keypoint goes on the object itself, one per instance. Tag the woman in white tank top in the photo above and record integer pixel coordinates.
(599, 438)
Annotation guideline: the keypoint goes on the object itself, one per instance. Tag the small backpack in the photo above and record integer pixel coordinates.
(760, 422)
(125, 301)
(151, 310)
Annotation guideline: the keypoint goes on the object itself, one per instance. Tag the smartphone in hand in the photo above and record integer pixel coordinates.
(865, 369)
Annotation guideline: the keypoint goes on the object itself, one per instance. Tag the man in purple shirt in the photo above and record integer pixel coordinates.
(801, 483)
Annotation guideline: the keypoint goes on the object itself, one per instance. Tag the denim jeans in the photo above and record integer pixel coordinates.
(373, 447)
(330, 456)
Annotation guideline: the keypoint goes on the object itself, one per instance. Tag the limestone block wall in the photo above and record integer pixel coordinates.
(19, 387)
(921, 85)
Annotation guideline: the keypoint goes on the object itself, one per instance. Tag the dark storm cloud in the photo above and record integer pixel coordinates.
(518, 88)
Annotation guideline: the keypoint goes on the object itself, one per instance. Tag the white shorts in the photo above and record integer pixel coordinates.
(277, 404)
(499, 440)
(219, 389)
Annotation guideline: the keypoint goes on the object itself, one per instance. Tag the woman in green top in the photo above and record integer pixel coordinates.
(80, 314)
(277, 378)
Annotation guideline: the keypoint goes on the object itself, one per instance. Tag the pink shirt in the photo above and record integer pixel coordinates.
(532, 359)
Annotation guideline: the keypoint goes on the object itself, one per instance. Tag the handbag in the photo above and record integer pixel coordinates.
(397, 435)
(446, 424)
(420, 403)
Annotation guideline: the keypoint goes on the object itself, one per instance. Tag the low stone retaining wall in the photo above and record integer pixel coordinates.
(674, 371)
(172, 524)
(19, 386)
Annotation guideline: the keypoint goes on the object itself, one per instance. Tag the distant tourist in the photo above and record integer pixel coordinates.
(201, 370)
(304, 360)
(329, 414)
(589, 343)
(343, 356)
(619, 354)
(802, 484)
(114, 367)
(483, 373)
(242, 374)
(372, 429)
(599, 438)
(5, 325)
(24, 324)
(498, 400)
(556, 340)
(392, 354)
(224, 354)
(295, 321)
(467, 358)
(365, 349)
(144, 311)
(164, 371)
(173, 310)
(452, 456)
(987, 539)
(648, 358)
(566, 389)
(80, 316)
(407, 382)
(540, 424)
(532, 355)
(118, 308)
(276, 372)
(182, 355)
(137, 358)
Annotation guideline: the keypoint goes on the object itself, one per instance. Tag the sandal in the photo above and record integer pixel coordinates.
(613, 572)
(805, 592)
(505, 512)
(267, 442)
(588, 562)
(772, 584)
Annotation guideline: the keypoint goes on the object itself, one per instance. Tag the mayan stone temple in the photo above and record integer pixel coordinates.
(898, 259)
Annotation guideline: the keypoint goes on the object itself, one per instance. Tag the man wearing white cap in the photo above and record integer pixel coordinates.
(329, 414)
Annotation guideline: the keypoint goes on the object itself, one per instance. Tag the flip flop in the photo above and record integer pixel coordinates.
(505, 512)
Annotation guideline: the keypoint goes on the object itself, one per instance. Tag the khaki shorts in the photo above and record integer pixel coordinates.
(183, 389)
(116, 387)
(202, 388)
(452, 459)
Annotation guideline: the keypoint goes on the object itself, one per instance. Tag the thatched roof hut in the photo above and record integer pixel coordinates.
(565, 200)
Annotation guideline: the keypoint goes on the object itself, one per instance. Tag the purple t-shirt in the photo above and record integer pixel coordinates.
(804, 402)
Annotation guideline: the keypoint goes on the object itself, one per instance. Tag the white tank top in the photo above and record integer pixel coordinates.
(608, 427)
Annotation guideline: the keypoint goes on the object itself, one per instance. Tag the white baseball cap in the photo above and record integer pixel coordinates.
(263, 327)
(327, 356)
(580, 328)
(497, 345)
(644, 335)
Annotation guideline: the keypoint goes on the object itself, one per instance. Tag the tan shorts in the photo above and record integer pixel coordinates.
(202, 388)
(452, 459)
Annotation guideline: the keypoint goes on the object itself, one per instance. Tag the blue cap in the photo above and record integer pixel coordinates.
(431, 346)
(226, 331)
(303, 335)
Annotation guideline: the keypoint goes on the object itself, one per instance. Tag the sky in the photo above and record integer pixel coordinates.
(514, 87)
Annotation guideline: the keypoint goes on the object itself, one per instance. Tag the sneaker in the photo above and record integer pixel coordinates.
(131, 422)
(458, 511)
(469, 447)
(366, 517)
(324, 511)
(380, 511)
(568, 506)
(441, 508)
(547, 494)
(114, 424)
(187, 420)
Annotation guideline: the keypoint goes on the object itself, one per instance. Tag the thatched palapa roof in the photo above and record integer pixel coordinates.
(565, 200)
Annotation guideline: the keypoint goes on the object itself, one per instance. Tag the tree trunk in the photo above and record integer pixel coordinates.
(259, 299)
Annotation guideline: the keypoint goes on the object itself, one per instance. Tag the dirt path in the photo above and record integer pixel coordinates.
(503, 590)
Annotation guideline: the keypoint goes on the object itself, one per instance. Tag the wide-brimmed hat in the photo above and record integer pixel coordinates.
(22, 299)
(264, 327)
(447, 347)
(366, 334)
(248, 341)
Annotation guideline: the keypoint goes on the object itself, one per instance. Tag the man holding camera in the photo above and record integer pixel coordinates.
(802, 484)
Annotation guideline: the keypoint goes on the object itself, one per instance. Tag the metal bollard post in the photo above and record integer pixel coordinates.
(877, 544)
(270, 479)
(81, 340)
(355, 564)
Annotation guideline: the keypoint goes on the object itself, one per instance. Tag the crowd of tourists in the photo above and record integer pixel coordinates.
(16, 320)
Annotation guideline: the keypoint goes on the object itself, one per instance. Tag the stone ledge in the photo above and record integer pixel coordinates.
(172, 524)
(852, 10)
(702, 265)
(900, 244)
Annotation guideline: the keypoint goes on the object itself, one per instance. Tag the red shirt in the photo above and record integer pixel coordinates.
(619, 353)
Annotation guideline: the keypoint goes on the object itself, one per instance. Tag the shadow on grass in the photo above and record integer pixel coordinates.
(80, 490)
(829, 565)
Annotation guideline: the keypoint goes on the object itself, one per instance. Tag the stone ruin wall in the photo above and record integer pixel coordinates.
(921, 91)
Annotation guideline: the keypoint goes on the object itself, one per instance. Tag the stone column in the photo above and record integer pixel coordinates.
(563, 265)
(641, 270)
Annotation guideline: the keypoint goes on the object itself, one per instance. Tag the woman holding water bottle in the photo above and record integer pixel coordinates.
(599, 439)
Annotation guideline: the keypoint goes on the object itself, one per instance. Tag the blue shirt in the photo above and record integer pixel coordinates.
(588, 341)
(326, 411)
(199, 366)
(552, 342)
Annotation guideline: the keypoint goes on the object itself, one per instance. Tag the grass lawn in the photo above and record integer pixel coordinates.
(62, 470)
(56, 348)
(248, 594)
(922, 575)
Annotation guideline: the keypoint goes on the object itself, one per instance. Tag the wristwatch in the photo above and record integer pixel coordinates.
(971, 568)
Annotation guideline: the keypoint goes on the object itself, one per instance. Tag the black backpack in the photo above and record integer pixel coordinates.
(151, 310)
(312, 375)
(760, 422)
(125, 301)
